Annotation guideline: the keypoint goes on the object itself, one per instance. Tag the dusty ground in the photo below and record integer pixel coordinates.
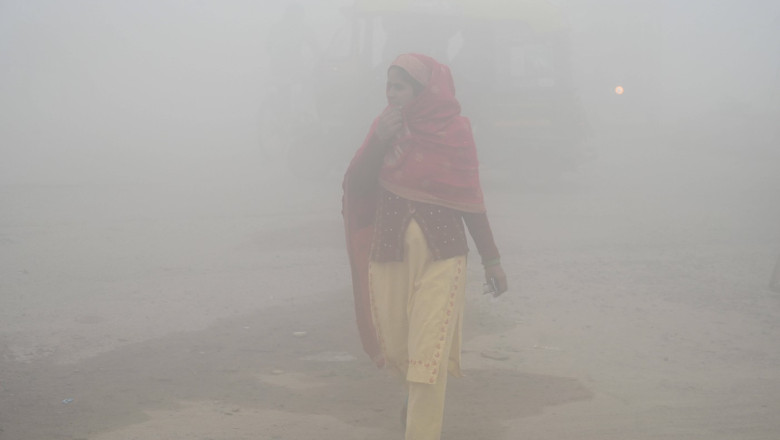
(638, 310)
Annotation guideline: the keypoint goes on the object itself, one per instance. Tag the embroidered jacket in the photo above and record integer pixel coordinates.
(442, 227)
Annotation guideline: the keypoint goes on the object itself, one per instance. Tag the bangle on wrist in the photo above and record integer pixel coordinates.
(491, 262)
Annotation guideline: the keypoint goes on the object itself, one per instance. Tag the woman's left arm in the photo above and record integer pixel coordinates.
(479, 228)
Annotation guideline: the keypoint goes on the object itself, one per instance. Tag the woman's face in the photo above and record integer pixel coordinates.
(399, 91)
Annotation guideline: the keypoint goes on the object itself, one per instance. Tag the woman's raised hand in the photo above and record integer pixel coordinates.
(390, 124)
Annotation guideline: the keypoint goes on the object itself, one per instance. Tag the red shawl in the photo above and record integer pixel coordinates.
(433, 161)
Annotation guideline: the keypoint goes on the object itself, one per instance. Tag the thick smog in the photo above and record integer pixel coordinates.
(299, 220)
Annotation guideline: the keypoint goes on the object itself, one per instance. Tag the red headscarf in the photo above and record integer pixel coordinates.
(433, 161)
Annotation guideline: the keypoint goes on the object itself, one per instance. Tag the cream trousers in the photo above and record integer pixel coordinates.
(417, 307)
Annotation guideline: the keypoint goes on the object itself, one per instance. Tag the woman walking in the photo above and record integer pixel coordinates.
(407, 193)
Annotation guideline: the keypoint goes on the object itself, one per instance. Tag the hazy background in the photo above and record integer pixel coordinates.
(156, 255)
(149, 91)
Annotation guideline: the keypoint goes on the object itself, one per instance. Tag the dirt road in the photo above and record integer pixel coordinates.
(639, 309)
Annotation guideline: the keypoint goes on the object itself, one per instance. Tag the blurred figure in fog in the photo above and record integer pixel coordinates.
(407, 193)
(774, 281)
(292, 50)
(472, 65)
(287, 102)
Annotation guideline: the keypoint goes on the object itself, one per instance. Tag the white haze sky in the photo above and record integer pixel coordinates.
(169, 90)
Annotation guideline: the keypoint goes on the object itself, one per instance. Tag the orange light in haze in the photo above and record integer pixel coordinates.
(619, 90)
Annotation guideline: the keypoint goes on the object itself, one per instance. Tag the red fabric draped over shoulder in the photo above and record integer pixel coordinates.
(358, 209)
